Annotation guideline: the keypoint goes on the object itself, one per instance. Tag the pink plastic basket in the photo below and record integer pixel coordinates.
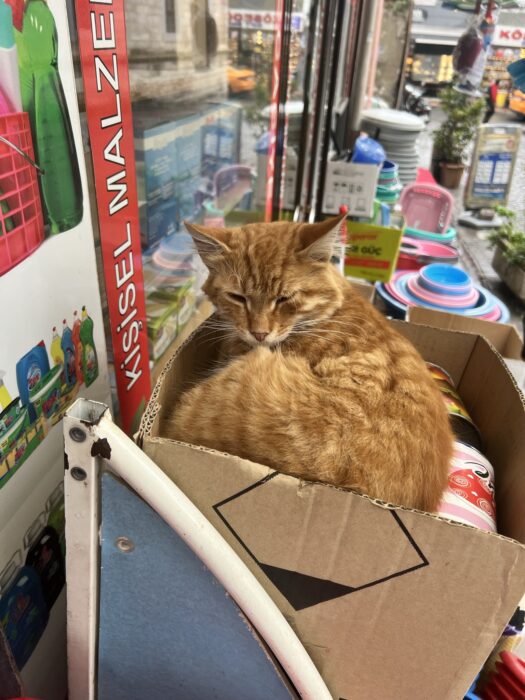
(21, 220)
(427, 207)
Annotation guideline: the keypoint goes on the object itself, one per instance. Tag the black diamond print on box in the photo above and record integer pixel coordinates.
(302, 590)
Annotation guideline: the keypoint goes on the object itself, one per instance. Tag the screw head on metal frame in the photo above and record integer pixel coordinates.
(125, 544)
(79, 474)
(77, 434)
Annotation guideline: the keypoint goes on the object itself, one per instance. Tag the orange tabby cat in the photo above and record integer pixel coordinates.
(319, 384)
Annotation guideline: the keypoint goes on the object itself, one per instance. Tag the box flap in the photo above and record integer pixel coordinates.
(448, 349)
(389, 603)
(503, 336)
(496, 406)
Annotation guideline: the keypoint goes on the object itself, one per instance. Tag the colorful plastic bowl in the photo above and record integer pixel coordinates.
(451, 290)
(415, 253)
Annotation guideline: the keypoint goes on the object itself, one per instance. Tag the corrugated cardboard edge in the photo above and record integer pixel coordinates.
(480, 338)
(512, 347)
(373, 501)
(153, 407)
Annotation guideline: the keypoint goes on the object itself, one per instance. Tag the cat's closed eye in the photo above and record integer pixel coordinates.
(282, 300)
(236, 297)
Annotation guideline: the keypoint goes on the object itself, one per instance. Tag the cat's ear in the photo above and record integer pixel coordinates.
(318, 241)
(209, 242)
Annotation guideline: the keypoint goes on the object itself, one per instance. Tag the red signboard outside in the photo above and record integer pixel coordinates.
(103, 53)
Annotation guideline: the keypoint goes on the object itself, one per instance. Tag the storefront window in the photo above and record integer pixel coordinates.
(201, 79)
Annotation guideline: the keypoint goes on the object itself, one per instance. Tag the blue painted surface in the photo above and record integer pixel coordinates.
(167, 629)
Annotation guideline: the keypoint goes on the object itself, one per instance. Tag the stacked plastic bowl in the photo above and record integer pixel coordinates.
(388, 186)
(398, 133)
(415, 254)
(443, 287)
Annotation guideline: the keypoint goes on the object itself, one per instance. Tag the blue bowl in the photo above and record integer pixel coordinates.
(439, 279)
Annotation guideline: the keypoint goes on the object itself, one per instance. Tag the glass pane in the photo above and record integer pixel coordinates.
(201, 82)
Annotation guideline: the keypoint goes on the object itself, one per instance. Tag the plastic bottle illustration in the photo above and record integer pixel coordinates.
(9, 75)
(29, 371)
(89, 353)
(75, 335)
(5, 396)
(68, 348)
(57, 354)
(43, 98)
(23, 614)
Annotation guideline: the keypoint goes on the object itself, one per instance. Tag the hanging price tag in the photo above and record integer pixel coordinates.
(372, 251)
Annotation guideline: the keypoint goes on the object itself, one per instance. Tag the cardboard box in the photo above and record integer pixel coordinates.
(352, 185)
(390, 603)
(503, 336)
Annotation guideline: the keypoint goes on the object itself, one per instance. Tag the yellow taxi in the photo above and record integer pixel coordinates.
(240, 80)
(517, 102)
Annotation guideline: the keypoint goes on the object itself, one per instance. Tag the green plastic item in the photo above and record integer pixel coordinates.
(9, 224)
(43, 98)
(89, 353)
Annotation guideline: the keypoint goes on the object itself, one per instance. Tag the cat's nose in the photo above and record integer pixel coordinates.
(259, 336)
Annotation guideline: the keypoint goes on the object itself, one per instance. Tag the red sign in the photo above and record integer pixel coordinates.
(509, 36)
(103, 53)
(274, 111)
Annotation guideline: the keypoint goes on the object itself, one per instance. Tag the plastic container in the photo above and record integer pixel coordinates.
(446, 279)
(389, 171)
(448, 237)
(21, 221)
(508, 681)
(45, 396)
(415, 254)
(469, 498)
(405, 289)
(43, 98)
(427, 207)
(368, 151)
(29, 371)
(9, 75)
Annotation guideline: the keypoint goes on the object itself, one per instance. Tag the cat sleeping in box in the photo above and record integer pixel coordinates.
(318, 384)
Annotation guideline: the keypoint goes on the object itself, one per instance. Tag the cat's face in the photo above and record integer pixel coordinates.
(270, 281)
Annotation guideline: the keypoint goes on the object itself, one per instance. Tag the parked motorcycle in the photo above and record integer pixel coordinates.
(415, 102)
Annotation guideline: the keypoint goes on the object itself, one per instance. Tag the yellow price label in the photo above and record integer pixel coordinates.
(371, 251)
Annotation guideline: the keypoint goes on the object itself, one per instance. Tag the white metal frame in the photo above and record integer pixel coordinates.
(92, 442)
